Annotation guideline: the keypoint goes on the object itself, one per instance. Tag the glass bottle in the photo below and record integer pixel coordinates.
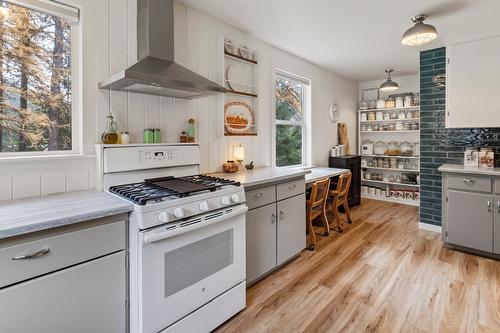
(109, 136)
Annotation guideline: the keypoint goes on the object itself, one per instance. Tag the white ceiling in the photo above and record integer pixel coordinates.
(354, 38)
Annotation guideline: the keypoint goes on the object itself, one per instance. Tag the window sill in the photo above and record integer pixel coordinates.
(12, 158)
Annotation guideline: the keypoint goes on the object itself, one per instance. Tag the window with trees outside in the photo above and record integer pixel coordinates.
(35, 77)
(290, 119)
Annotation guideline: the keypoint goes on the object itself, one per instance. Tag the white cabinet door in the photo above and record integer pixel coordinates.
(89, 297)
(261, 241)
(473, 83)
(496, 226)
(291, 227)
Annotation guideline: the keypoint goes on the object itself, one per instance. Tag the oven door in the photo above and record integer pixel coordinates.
(184, 268)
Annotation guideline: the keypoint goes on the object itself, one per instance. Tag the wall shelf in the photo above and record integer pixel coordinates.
(410, 202)
(389, 156)
(390, 183)
(389, 121)
(392, 109)
(240, 58)
(391, 169)
(391, 132)
(241, 93)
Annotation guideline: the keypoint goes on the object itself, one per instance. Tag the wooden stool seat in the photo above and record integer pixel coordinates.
(316, 207)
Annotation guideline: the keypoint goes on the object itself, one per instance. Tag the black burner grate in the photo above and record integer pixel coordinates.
(158, 189)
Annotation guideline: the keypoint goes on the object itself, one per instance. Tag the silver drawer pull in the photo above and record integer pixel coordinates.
(488, 203)
(498, 206)
(468, 181)
(282, 215)
(291, 187)
(273, 218)
(258, 195)
(36, 254)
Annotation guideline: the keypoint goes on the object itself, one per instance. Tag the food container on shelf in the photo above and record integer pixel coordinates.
(372, 104)
(379, 148)
(370, 163)
(386, 178)
(401, 115)
(387, 116)
(399, 126)
(416, 149)
(399, 101)
(368, 175)
(363, 116)
(392, 127)
(406, 126)
(390, 102)
(406, 149)
(377, 191)
(416, 114)
(414, 126)
(394, 115)
(393, 163)
(381, 104)
(364, 163)
(363, 128)
(409, 114)
(393, 149)
(363, 105)
(407, 164)
(385, 163)
(367, 148)
(371, 116)
(379, 115)
(486, 157)
(401, 165)
(369, 128)
(382, 193)
(416, 99)
(398, 179)
(408, 101)
(392, 178)
(371, 190)
(376, 127)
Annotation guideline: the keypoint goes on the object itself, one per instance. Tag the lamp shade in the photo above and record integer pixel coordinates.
(389, 85)
(239, 153)
(421, 33)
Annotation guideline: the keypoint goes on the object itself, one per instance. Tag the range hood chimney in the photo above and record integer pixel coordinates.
(156, 72)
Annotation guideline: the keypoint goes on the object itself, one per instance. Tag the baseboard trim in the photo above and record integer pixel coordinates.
(429, 227)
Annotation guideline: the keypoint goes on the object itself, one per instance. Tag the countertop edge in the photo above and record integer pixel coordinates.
(458, 168)
(45, 225)
(276, 178)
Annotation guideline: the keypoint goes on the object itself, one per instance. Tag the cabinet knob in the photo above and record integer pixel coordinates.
(488, 203)
(291, 187)
(282, 215)
(273, 218)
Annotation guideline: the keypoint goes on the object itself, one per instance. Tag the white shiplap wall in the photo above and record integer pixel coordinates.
(110, 45)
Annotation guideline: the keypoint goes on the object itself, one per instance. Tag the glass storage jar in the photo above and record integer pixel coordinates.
(379, 148)
(399, 126)
(414, 126)
(406, 149)
(392, 127)
(394, 115)
(393, 149)
(387, 116)
(390, 102)
(379, 115)
(401, 115)
(416, 149)
(371, 116)
(363, 116)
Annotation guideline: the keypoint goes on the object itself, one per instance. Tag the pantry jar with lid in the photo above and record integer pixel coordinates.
(416, 149)
(379, 148)
(379, 115)
(414, 126)
(394, 115)
(390, 102)
(402, 115)
(406, 149)
(371, 116)
(409, 114)
(392, 149)
(363, 116)
(387, 116)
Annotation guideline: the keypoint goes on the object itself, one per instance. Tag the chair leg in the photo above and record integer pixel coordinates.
(347, 211)
(311, 234)
(336, 216)
(324, 218)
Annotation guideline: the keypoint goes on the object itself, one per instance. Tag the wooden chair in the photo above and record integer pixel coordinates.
(316, 207)
(339, 198)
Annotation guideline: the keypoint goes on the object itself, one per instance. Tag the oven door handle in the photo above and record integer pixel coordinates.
(155, 237)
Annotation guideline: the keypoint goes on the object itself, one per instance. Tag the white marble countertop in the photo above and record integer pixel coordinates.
(459, 168)
(259, 176)
(28, 215)
(320, 173)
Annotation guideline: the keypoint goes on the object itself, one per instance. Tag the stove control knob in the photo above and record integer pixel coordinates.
(235, 198)
(204, 206)
(225, 200)
(163, 217)
(179, 213)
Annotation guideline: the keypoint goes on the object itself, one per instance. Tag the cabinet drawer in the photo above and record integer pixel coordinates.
(469, 183)
(260, 197)
(497, 186)
(59, 251)
(290, 189)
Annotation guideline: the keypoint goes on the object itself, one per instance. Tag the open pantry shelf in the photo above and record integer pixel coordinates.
(391, 169)
(410, 202)
(388, 121)
(389, 183)
(392, 109)
(389, 156)
(390, 132)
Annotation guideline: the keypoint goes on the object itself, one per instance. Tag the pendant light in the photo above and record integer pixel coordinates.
(421, 33)
(389, 85)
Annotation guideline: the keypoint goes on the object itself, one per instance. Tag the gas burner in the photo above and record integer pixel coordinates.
(169, 188)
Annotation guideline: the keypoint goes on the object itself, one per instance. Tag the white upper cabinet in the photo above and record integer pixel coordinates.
(473, 84)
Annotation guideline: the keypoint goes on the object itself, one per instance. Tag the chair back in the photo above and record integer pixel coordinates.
(319, 193)
(344, 184)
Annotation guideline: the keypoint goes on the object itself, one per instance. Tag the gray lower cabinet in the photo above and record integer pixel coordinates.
(261, 241)
(275, 226)
(470, 222)
(67, 279)
(496, 225)
(291, 227)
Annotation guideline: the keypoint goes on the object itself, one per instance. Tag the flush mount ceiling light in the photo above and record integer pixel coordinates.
(421, 33)
(389, 85)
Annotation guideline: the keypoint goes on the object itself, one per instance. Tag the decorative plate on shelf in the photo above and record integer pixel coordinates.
(238, 118)
(239, 78)
(229, 46)
(245, 52)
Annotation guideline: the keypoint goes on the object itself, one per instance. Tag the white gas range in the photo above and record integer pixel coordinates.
(186, 237)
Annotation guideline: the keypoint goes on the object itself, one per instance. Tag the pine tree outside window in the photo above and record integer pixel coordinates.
(37, 90)
(291, 114)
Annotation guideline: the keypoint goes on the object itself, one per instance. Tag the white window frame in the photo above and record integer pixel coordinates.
(72, 13)
(306, 116)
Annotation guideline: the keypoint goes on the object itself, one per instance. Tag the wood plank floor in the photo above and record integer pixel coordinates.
(382, 274)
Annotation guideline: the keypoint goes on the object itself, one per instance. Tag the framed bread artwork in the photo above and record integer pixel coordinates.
(239, 119)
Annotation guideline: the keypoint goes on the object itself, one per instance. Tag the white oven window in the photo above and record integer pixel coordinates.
(194, 262)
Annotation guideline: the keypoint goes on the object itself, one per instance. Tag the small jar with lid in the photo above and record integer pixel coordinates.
(399, 126)
(385, 163)
(371, 116)
(379, 115)
(394, 115)
(406, 149)
(379, 148)
(407, 164)
(393, 163)
(387, 116)
(390, 102)
(363, 128)
(363, 116)
(406, 126)
(416, 149)
(380, 162)
(393, 149)
(392, 127)
(368, 175)
(414, 126)
(401, 115)
(409, 114)
(376, 127)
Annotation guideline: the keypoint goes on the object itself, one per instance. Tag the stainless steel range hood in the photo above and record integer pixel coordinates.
(156, 73)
